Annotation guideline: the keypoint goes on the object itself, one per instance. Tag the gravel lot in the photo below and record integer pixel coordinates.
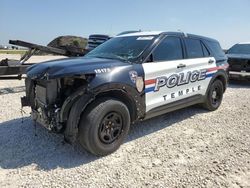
(187, 148)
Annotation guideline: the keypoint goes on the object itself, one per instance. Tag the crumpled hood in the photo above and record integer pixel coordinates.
(70, 67)
(239, 56)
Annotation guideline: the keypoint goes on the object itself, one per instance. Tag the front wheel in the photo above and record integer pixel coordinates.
(214, 96)
(104, 126)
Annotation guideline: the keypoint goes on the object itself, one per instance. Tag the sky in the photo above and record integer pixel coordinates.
(40, 21)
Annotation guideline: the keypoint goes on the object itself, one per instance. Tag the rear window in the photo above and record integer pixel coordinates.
(216, 48)
(194, 48)
(205, 51)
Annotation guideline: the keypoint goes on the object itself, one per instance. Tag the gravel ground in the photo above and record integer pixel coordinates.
(187, 148)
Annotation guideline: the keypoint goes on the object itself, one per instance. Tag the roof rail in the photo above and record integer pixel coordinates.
(184, 33)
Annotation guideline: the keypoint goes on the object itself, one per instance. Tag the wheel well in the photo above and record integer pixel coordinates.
(123, 97)
(223, 80)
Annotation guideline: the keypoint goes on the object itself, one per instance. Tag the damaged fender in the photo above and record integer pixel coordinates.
(76, 104)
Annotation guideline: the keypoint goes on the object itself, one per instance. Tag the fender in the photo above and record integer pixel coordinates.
(75, 105)
(222, 75)
(137, 99)
(71, 130)
(70, 101)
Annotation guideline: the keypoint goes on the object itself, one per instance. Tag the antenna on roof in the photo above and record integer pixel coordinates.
(185, 34)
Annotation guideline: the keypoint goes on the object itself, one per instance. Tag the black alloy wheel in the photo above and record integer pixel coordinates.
(103, 126)
(110, 128)
(214, 96)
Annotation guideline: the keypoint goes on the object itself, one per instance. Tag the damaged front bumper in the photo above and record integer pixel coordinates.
(50, 107)
(40, 116)
(42, 96)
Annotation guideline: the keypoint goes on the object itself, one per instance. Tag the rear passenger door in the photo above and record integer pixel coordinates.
(198, 58)
(172, 71)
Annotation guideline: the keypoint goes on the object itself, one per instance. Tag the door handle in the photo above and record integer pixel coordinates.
(211, 61)
(181, 66)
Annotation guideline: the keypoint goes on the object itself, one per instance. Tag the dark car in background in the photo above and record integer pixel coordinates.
(97, 39)
(239, 61)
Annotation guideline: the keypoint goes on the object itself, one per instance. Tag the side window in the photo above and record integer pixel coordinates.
(169, 49)
(194, 48)
(205, 50)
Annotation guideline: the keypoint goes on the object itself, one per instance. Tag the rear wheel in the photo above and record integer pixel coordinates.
(214, 96)
(104, 126)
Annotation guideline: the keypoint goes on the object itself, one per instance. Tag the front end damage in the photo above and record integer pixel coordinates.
(51, 100)
(59, 91)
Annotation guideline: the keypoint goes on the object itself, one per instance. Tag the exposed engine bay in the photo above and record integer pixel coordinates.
(47, 97)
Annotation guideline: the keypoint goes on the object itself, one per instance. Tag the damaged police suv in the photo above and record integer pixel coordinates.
(94, 99)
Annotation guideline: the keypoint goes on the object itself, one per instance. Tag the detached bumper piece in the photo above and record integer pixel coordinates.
(25, 101)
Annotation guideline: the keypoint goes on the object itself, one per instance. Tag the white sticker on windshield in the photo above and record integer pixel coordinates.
(145, 38)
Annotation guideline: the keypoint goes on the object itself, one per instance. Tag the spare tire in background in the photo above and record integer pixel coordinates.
(74, 45)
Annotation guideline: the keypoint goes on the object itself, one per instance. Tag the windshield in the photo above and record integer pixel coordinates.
(240, 49)
(123, 48)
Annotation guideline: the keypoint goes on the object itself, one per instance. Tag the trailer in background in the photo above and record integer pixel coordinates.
(14, 69)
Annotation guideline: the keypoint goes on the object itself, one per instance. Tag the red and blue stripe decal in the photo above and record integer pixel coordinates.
(212, 71)
(150, 84)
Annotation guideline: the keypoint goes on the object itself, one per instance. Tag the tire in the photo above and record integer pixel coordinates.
(214, 96)
(104, 126)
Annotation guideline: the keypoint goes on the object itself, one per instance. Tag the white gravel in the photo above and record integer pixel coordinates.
(187, 148)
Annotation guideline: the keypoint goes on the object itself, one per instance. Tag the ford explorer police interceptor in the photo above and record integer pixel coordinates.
(132, 77)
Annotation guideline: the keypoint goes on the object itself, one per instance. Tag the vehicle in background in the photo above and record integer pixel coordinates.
(239, 61)
(97, 39)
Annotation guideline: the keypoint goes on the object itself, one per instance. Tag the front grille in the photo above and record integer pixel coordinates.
(239, 65)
